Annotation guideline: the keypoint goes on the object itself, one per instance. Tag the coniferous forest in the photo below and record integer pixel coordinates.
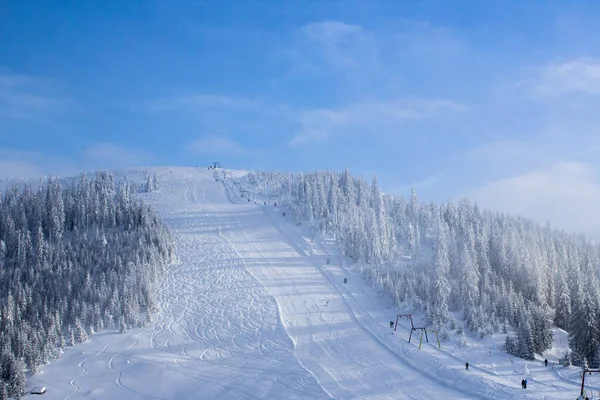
(83, 256)
(75, 258)
(503, 274)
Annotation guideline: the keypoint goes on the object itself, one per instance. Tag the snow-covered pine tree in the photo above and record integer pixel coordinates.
(3, 391)
(79, 333)
(511, 346)
(151, 182)
(469, 279)
(17, 381)
(383, 238)
(440, 296)
(333, 197)
(583, 338)
(347, 187)
(563, 302)
(123, 326)
(525, 345)
(541, 328)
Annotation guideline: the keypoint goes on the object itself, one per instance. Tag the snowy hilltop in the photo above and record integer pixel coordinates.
(283, 286)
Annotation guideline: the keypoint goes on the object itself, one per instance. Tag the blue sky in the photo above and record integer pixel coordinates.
(491, 100)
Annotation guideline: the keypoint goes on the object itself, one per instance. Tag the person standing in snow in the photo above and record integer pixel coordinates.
(467, 365)
(546, 362)
(522, 383)
(525, 384)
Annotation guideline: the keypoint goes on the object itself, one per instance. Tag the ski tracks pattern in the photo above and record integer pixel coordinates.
(215, 320)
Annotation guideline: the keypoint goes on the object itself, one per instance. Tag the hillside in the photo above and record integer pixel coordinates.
(252, 309)
(454, 262)
(74, 259)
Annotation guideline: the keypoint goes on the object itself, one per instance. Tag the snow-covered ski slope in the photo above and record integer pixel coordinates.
(251, 310)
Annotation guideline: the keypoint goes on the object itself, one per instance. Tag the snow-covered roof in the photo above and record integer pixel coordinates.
(38, 390)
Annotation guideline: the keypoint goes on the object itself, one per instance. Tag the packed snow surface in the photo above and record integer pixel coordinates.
(252, 310)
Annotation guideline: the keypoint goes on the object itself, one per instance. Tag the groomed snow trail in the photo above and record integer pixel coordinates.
(345, 359)
(218, 322)
(217, 334)
(252, 311)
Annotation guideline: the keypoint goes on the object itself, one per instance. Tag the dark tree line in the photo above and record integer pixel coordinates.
(504, 273)
(73, 260)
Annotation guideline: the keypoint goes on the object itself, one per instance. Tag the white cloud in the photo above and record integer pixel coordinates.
(422, 185)
(575, 76)
(214, 144)
(376, 117)
(335, 43)
(29, 164)
(330, 33)
(504, 158)
(110, 155)
(567, 194)
(370, 59)
(427, 42)
(35, 164)
(338, 44)
(24, 96)
(196, 101)
(19, 169)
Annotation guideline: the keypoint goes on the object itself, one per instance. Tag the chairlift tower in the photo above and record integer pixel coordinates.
(424, 331)
(589, 371)
(414, 328)
(409, 316)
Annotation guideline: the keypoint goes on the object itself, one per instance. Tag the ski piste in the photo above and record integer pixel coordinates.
(252, 310)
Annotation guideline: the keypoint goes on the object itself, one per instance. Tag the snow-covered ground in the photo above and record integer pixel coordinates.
(252, 310)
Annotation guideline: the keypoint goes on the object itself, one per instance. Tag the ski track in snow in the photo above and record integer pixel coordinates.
(250, 310)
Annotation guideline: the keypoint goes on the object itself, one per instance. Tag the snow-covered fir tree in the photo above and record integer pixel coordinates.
(440, 296)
